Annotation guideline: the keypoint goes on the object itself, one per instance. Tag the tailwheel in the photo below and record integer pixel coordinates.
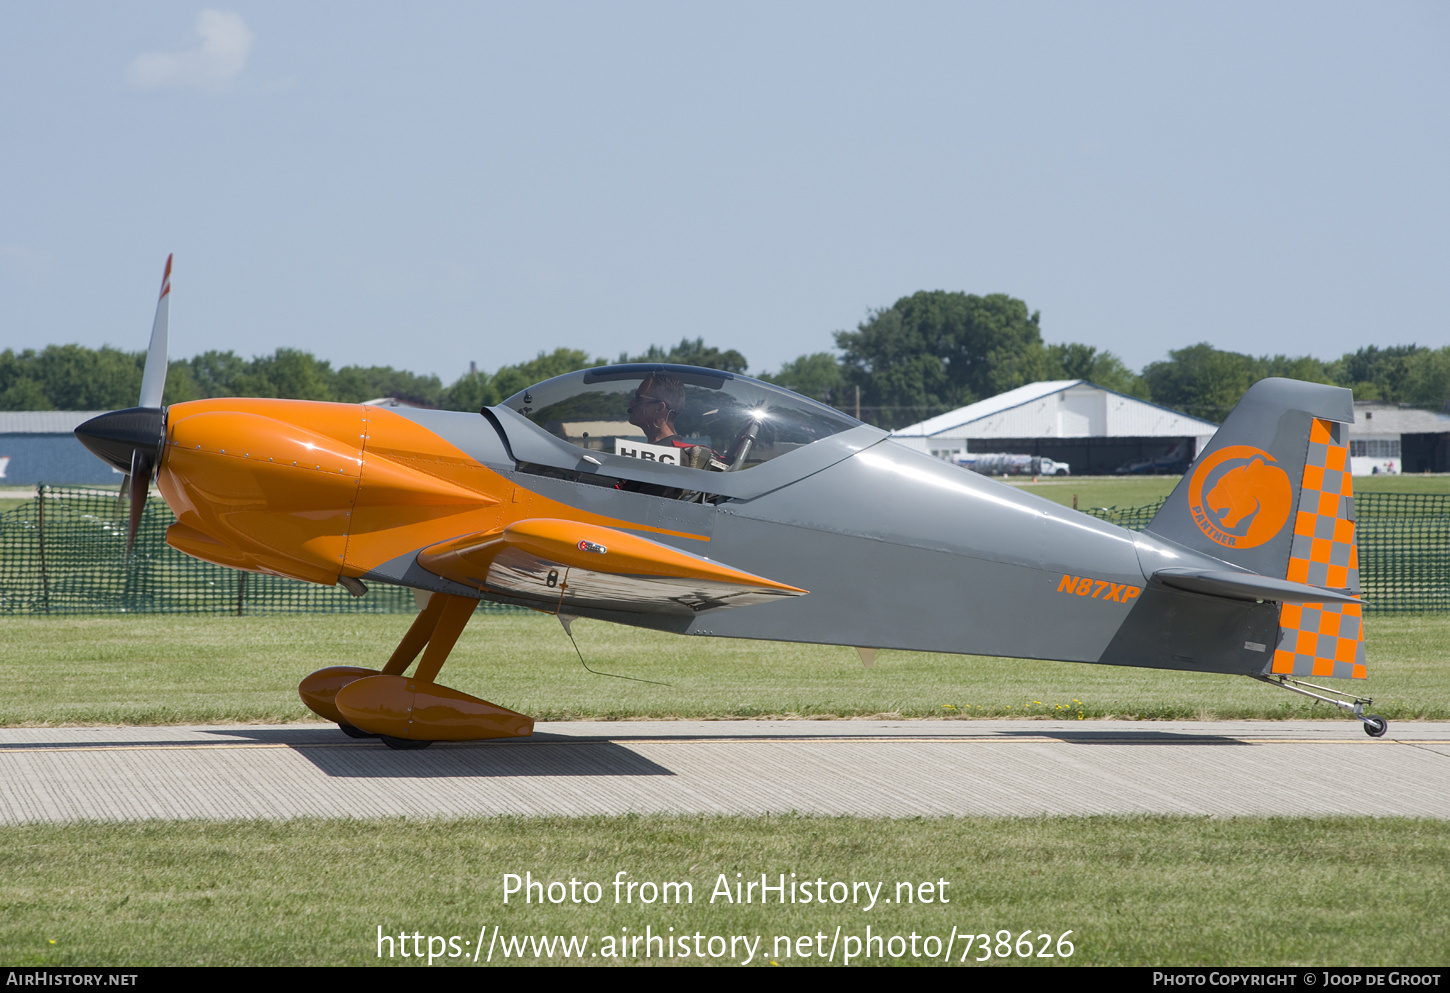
(403, 744)
(354, 732)
(1374, 725)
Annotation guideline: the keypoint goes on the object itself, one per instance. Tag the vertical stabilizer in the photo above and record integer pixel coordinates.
(1272, 494)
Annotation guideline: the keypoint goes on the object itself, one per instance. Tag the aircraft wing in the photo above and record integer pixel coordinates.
(563, 564)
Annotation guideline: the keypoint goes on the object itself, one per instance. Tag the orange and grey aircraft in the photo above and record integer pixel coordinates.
(699, 502)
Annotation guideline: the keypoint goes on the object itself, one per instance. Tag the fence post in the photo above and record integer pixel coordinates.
(241, 590)
(40, 527)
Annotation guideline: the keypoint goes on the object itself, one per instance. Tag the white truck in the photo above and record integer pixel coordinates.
(1005, 464)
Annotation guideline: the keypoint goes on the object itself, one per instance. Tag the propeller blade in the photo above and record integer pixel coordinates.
(131, 440)
(141, 466)
(153, 379)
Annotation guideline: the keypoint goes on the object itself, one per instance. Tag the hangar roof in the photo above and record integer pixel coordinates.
(44, 421)
(1372, 417)
(1061, 408)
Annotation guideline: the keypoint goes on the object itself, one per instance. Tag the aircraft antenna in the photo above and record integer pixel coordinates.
(566, 620)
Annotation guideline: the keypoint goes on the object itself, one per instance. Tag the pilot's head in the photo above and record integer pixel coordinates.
(655, 405)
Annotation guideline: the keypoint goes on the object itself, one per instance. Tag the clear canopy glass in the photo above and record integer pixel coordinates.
(716, 420)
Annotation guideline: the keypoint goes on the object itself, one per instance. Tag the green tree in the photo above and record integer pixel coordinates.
(1076, 361)
(1376, 373)
(218, 374)
(1427, 379)
(181, 385)
(936, 350)
(696, 353)
(25, 394)
(73, 377)
(818, 376)
(1304, 367)
(18, 388)
(1207, 382)
(512, 378)
(356, 384)
(289, 373)
(1201, 380)
(471, 391)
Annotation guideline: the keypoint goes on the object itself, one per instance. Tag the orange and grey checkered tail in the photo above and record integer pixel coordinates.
(1322, 639)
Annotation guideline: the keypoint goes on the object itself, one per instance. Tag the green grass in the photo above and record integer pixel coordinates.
(207, 669)
(1101, 491)
(1132, 890)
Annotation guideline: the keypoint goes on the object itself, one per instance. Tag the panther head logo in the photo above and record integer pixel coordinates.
(1248, 499)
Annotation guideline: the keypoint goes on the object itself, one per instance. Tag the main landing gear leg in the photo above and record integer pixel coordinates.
(1374, 725)
(413, 712)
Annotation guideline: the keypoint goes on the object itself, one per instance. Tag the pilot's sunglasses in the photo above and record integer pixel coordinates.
(639, 398)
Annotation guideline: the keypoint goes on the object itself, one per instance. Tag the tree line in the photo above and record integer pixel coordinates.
(73, 377)
(935, 351)
(925, 354)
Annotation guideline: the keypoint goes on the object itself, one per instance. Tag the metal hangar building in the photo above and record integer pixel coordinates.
(1096, 430)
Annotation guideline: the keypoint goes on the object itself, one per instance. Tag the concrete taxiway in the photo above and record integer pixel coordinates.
(869, 768)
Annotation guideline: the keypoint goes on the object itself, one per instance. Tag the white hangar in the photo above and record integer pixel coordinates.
(1388, 437)
(1097, 430)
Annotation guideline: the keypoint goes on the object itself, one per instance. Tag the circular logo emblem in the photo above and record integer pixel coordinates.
(1239, 497)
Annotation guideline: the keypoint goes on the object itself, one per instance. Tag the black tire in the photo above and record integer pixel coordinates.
(403, 744)
(354, 732)
(1375, 726)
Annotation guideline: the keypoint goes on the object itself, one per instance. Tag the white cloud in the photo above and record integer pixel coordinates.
(225, 43)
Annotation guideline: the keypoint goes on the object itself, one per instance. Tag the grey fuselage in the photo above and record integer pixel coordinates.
(896, 548)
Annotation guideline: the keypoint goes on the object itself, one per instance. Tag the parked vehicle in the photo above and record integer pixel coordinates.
(1005, 464)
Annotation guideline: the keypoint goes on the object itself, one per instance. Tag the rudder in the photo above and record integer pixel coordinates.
(1323, 639)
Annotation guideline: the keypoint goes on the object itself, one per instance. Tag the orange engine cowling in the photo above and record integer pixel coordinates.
(313, 490)
(265, 485)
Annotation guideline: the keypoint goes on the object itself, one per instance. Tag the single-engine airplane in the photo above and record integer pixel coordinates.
(704, 503)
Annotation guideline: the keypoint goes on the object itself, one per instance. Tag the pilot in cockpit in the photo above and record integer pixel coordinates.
(654, 407)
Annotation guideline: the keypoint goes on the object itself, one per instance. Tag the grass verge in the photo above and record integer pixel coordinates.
(1132, 890)
(190, 669)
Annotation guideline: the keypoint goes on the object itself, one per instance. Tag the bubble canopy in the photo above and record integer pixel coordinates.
(734, 421)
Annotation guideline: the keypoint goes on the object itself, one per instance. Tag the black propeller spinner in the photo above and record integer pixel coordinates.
(130, 440)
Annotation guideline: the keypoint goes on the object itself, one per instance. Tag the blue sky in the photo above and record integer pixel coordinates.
(426, 185)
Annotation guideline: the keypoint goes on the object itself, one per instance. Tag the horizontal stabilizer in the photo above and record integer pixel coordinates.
(567, 564)
(1247, 586)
